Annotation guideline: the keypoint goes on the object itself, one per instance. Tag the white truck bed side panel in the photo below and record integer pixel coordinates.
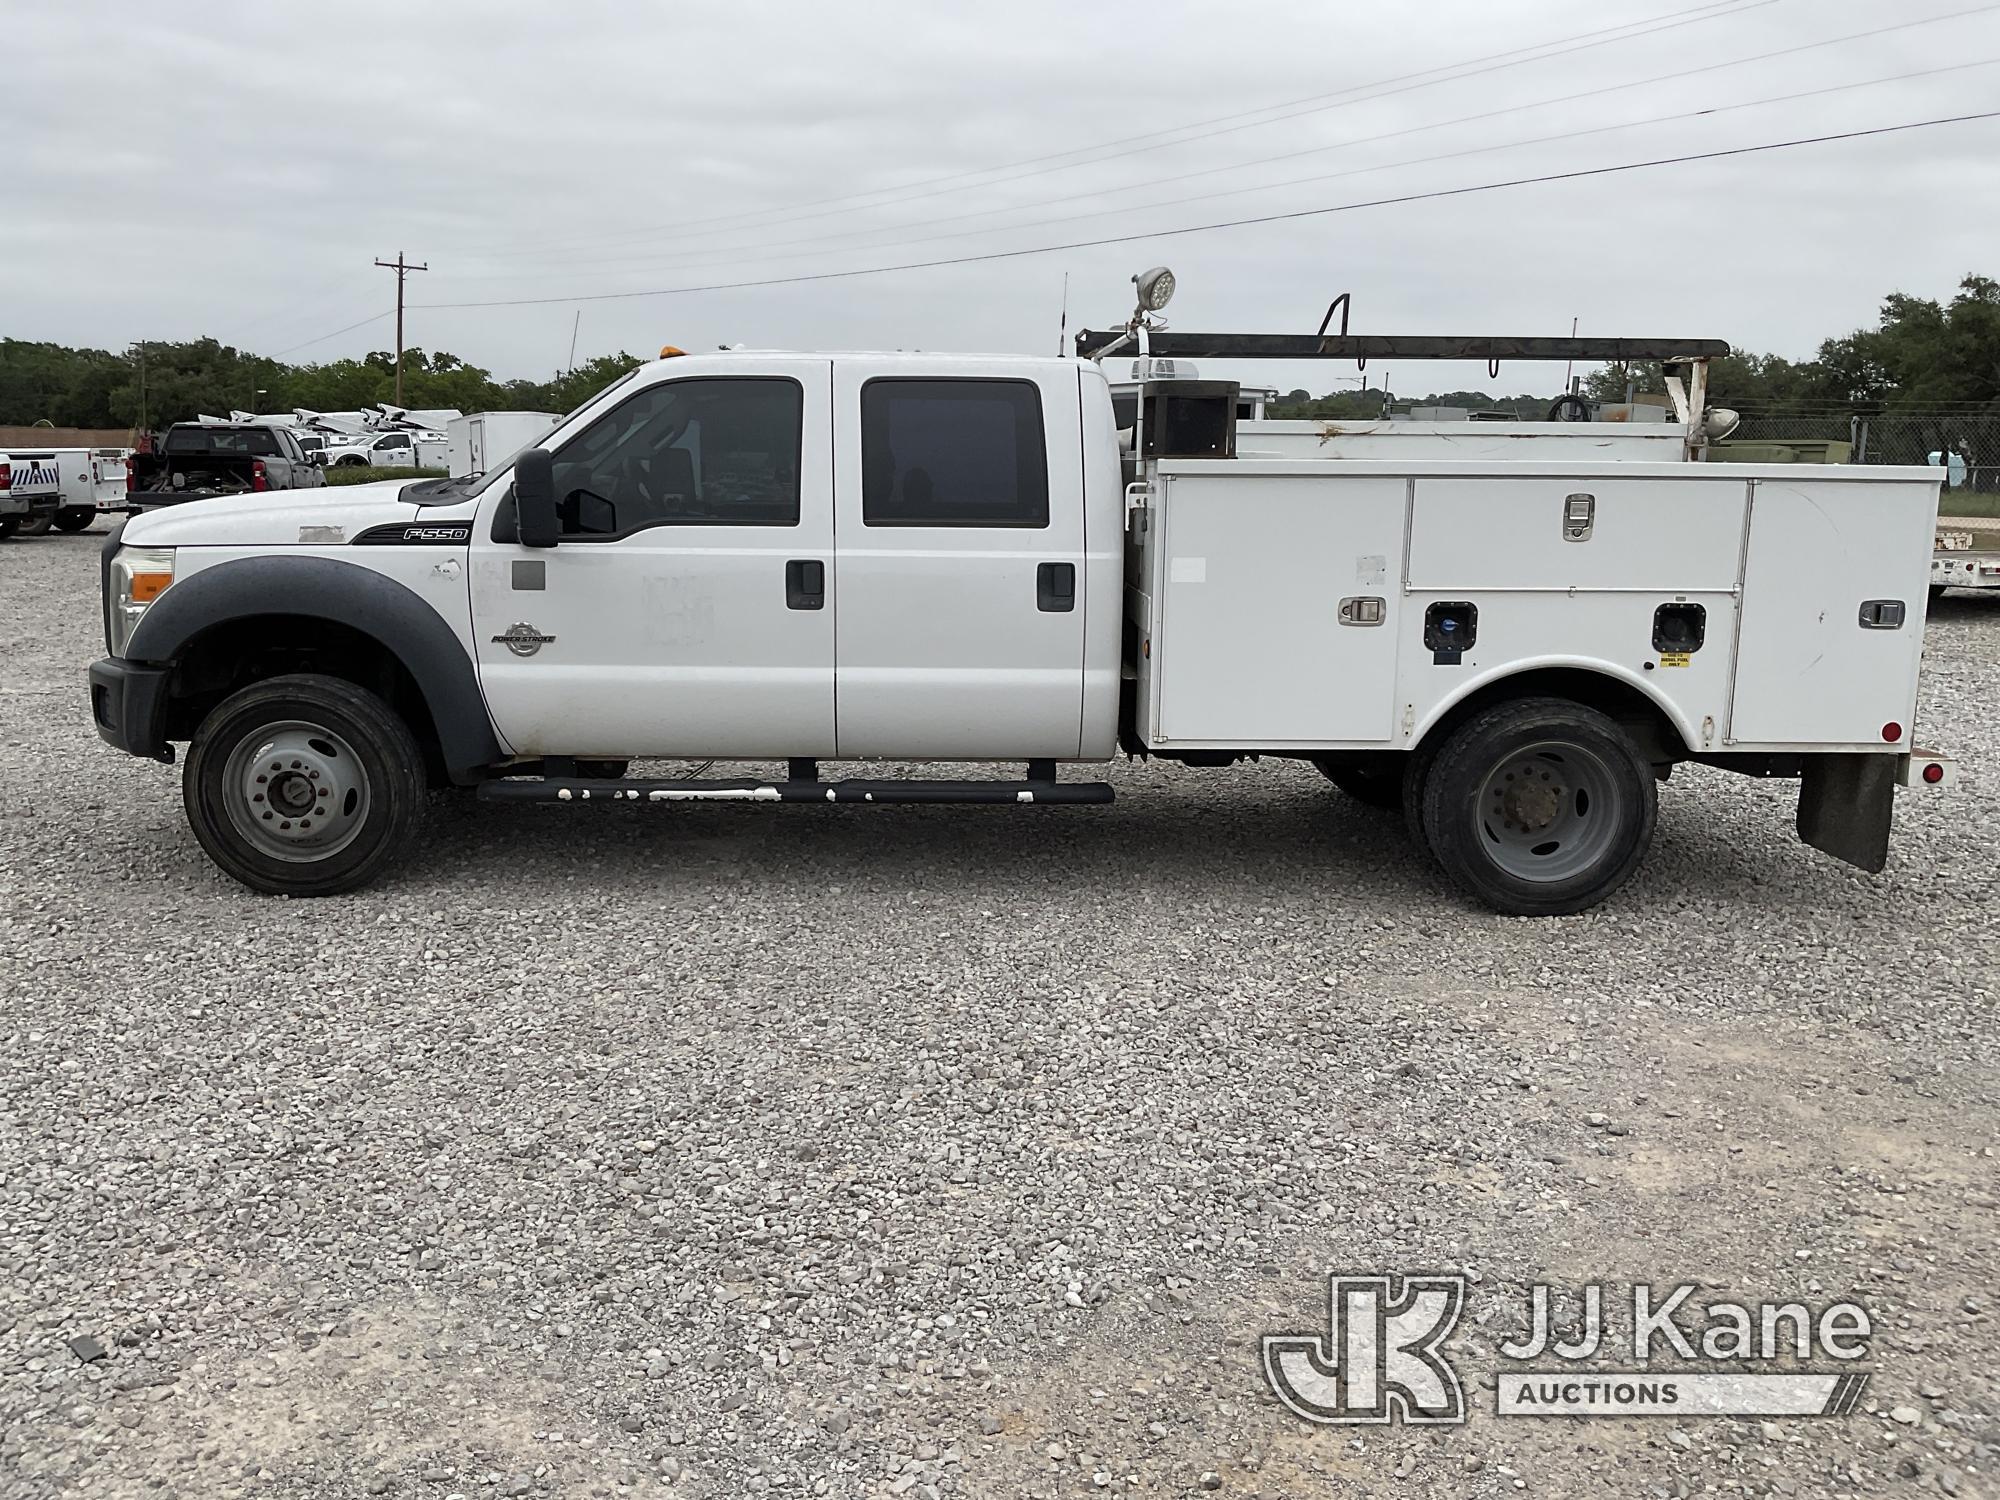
(1807, 670)
(1250, 649)
(1509, 442)
(1676, 534)
(1607, 633)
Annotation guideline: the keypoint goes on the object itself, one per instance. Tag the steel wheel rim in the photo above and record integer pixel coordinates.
(1549, 811)
(296, 791)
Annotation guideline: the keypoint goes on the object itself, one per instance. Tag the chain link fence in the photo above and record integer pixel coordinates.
(1967, 443)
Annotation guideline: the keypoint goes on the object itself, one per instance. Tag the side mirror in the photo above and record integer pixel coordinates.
(536, 522)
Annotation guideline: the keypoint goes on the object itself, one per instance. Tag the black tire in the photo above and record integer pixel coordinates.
(603, 770)
(37, 524)
(1539, 807)
(342, 739)
(9, 525)
(1416, 776)
(1937, 593)
(75, 517)
(1372, 784)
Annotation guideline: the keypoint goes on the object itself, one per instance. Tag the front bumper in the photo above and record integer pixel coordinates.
(128, 701)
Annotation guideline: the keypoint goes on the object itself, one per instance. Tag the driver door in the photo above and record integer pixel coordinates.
(686, 610)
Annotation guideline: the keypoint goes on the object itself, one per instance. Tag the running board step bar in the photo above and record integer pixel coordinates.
(579, 789)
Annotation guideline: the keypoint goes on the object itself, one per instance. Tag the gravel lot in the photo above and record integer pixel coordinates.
(723, 1151)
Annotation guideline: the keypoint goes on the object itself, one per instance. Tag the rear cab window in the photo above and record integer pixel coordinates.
(261, 442)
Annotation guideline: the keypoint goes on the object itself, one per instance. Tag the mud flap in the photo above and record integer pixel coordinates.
(1846, 804)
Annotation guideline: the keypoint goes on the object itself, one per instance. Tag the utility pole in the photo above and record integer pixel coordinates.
(402, 268)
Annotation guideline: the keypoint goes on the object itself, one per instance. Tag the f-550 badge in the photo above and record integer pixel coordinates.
(522, 640)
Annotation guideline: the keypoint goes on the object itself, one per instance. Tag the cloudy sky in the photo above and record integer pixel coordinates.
(234, 169)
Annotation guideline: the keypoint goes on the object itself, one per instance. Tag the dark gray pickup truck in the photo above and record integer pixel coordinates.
(197, 460)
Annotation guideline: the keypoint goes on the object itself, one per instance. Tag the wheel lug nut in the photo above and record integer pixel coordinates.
(267, 817)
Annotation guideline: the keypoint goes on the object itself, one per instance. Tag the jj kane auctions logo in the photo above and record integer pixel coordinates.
(1382, 1358)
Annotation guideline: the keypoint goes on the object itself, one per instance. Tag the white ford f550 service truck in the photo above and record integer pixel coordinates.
(809, 557)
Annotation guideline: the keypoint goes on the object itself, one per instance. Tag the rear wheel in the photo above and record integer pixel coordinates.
(1937, 592)
(1539, 807)
(1376, 783)
(75, 517)
(37, 524)
(304, 786)
(9, 526)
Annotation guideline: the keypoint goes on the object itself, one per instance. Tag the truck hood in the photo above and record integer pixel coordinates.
(282, 518)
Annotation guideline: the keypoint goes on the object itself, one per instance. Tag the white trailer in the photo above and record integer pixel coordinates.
(488, 437)
(1968, 554)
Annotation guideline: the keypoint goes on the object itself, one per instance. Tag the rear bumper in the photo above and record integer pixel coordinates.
(1921, 768)
(1965, 570)
(128, 702)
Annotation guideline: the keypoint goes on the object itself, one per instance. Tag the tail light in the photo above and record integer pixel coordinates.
(131, 479)
(6, 476)
(258, 479)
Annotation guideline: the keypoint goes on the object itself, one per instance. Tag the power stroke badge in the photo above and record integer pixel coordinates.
(522, 639)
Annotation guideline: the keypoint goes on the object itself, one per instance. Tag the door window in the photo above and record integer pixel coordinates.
(953, 453)
(705, 452)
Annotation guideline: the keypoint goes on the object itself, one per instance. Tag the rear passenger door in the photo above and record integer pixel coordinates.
(958, 562)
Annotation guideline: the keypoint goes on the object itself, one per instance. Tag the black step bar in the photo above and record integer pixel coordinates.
(580, 789)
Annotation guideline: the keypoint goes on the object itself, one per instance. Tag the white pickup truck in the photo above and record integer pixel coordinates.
(30, 493)
(809, 557)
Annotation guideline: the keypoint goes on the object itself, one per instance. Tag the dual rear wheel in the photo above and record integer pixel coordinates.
(1538, 807)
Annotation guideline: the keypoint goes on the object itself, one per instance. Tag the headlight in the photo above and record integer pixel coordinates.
(139, 575)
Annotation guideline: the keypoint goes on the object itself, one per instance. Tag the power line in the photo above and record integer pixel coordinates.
(1562, 136)
(1277, 218)
(1402, 83)
(363, 323)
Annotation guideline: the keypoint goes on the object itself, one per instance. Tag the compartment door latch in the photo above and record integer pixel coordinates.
(1579, 515)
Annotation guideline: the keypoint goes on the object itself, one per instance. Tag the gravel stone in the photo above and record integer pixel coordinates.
(955, 1115)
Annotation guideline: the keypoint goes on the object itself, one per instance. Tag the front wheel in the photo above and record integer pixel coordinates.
(75, 517)
(1539, 807)
(304, 786)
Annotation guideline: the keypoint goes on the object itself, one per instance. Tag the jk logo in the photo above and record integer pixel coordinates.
(1379, 1360)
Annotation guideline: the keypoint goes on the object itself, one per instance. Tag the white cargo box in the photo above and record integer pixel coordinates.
(478, 441)
(1284, 605)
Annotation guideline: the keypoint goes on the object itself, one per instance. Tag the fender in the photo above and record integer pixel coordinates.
(357, 597)
(1615, 671)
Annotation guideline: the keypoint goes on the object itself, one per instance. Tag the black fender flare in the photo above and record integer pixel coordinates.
(387, 612)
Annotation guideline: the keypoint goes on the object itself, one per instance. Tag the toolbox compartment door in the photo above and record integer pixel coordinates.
(1808, 671)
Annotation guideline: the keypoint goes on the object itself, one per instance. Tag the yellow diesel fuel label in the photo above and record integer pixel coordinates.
(1674, 658)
